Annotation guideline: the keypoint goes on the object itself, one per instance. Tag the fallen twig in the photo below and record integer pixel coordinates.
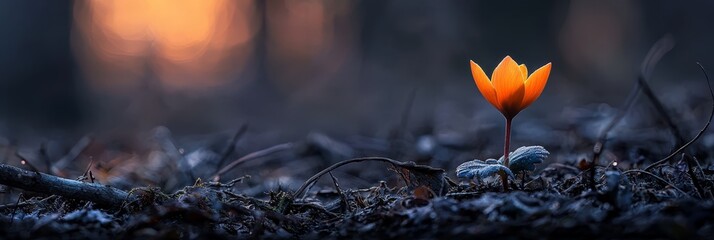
(258, 154)
(14, 209)
(663, 46)
(26, 203)
(231, 146)
(407, 165)
(48, 184)
(656, 53)
(343, 198)
(647, 90)
(701, 132)
(656, 177)
(73, 153)
(692, 175)
(88, 171)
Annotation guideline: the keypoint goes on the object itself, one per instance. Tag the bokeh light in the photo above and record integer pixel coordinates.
(185, 43)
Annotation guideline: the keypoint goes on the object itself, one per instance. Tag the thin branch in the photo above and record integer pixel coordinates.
(258, 154)
(647, 90)
(656, 177)
(313, 179)
(26, 203)
(693, 175)
(317, 176)
(231, 146)
(14, 209)
(343, 198)
(88, 171)
(48, 184)
(76, 150)
(701, 132)
(658, 50)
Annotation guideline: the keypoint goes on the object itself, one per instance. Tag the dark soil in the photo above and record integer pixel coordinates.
(607, 176)
(373, 199)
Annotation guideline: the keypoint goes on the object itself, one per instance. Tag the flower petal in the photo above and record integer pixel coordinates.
(535, 84)
(508, 81)
(484, 85)
(524, 70)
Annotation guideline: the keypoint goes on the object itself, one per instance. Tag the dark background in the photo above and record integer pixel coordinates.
(349, 72)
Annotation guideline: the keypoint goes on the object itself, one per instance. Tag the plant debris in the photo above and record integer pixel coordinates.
(183, 188)
(419, 202)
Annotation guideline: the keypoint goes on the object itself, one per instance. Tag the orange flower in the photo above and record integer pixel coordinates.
(510, 89)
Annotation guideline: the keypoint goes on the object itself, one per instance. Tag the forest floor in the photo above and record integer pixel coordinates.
(375, 198)
(611, 173)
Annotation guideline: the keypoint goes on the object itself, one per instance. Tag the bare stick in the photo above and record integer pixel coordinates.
(701, 132)
(231, 146)
(48, 184)
(78, 148)
(656, 53)
(88, 171)
(14, 209)
(314, 178)
(251, 156)
(693, 175)
(26, 203)
(658, 178)
(395, 163)
(343, 198)
(662, 111)
(658, 50)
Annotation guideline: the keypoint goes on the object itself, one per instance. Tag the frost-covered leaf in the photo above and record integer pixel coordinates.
(525, 158)
(480, 169)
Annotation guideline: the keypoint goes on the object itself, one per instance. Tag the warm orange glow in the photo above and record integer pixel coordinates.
(304, 43)
(510, 88)
(299, 29)
(185, 43)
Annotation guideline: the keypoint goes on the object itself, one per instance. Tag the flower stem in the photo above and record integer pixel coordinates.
(507, 145)
(504, 180)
